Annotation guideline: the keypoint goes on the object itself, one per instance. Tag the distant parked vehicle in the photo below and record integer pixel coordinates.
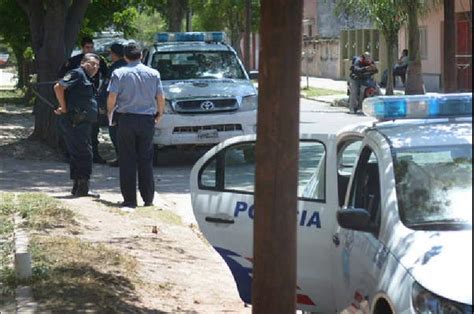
(4, 58)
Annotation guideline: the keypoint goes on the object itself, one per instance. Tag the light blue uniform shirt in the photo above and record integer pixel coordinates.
(137, 87)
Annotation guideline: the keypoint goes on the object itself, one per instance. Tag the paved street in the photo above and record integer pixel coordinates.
(173, 185)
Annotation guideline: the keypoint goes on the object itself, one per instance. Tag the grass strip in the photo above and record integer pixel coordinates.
(69, 274)
(316, 92)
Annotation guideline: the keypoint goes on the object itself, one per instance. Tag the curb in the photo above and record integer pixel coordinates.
(23, 269)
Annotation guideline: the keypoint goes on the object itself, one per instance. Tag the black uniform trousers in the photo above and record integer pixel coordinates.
(78, 143)
(135, 146)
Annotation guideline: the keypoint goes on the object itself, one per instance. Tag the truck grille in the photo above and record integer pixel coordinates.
(206, 105)
(218, 127)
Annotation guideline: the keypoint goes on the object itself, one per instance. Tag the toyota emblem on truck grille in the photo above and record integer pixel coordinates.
(207, 105)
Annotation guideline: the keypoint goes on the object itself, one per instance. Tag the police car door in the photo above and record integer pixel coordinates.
(360, 256)
(222, 187)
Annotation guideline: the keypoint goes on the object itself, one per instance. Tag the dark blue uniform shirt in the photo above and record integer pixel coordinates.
(80, 93)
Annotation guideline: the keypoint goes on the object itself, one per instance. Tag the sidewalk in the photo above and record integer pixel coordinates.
(336, 85)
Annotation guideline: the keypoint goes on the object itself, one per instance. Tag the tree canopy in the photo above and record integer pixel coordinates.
(388, 16)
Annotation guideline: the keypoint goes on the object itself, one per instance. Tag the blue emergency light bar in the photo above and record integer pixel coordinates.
(190, 37)
(418, 106)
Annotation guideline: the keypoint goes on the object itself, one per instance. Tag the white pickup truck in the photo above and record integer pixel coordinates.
(209, 95)
(384, 209)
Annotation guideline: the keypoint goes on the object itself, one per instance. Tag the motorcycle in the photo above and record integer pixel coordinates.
(368, 87)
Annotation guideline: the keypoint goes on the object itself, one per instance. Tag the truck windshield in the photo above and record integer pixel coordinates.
(197, 65)
(434, 187)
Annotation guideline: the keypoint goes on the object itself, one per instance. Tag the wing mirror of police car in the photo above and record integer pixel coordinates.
(355, 219)
(253, 75)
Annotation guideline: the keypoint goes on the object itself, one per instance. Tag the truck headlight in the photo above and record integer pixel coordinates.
(426, 302)
(168, 107)
(249, 103)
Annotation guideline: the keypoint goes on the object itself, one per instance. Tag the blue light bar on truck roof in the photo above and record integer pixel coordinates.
(190, 37)
(418, 106)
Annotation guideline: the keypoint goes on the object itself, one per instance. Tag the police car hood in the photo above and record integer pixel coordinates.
(208, 88)
(441, 262)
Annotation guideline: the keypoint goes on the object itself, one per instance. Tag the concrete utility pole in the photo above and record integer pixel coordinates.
(449, 62)
(274, 272)
(248, 30)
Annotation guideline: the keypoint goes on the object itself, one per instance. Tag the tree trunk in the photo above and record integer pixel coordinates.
(236, 32)
(189, 19)
(177, 12)
(390, 43)
(449, 64)
(414, 83)
(274, 272)
(248, 30)
(48, 21)
(20, 66)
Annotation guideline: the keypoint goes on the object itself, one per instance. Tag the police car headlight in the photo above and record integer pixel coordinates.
(249, 103)
(426, 302)
(169, 107)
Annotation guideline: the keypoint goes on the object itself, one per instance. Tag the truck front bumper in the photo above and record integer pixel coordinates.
(203, 129)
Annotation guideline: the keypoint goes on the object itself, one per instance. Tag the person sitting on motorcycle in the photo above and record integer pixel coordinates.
(361, 72)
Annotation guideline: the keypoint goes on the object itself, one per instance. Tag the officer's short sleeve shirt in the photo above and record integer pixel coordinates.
(137, 87)
(80, 94)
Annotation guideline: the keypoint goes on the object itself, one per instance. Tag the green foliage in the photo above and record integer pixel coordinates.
(226, 15)
(388, 15)
(147, 24)
(103, 14)
(41, 211)
(14, 25)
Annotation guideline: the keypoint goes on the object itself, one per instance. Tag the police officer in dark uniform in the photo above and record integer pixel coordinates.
(77, 111)
(118, 61)
(87, 45)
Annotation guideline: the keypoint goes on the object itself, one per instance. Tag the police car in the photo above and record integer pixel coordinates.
(384, 209)
(209, 95)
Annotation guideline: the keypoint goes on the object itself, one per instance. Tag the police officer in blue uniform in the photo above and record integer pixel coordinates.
(118, 61)
(77, 112)
(87, 46)
(136, 92)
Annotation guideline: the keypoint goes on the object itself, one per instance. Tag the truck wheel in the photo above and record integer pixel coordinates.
(382, 307)
(163, 156)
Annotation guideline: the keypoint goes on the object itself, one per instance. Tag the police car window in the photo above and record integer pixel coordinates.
(208, 175)
(239, 165)
(186, 65)
(365, 191)
(312, 171)
(434, 186)
(234, 170)
(348, 158)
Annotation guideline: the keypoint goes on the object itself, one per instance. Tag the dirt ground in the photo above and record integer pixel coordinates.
(182, 271)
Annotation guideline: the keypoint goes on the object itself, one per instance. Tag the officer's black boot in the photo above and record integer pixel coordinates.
(82, 188)
(74, 187)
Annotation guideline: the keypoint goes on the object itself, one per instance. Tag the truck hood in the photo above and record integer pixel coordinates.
(208, 88)
(441, 262)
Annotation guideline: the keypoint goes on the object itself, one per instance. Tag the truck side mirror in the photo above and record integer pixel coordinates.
(253, 75)
(357, 219)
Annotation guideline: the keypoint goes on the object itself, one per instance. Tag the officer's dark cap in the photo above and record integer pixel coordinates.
(132, 51)
(117, 49)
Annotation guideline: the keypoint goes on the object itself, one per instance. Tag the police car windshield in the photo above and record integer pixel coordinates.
(434, 186)
(187, 65)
